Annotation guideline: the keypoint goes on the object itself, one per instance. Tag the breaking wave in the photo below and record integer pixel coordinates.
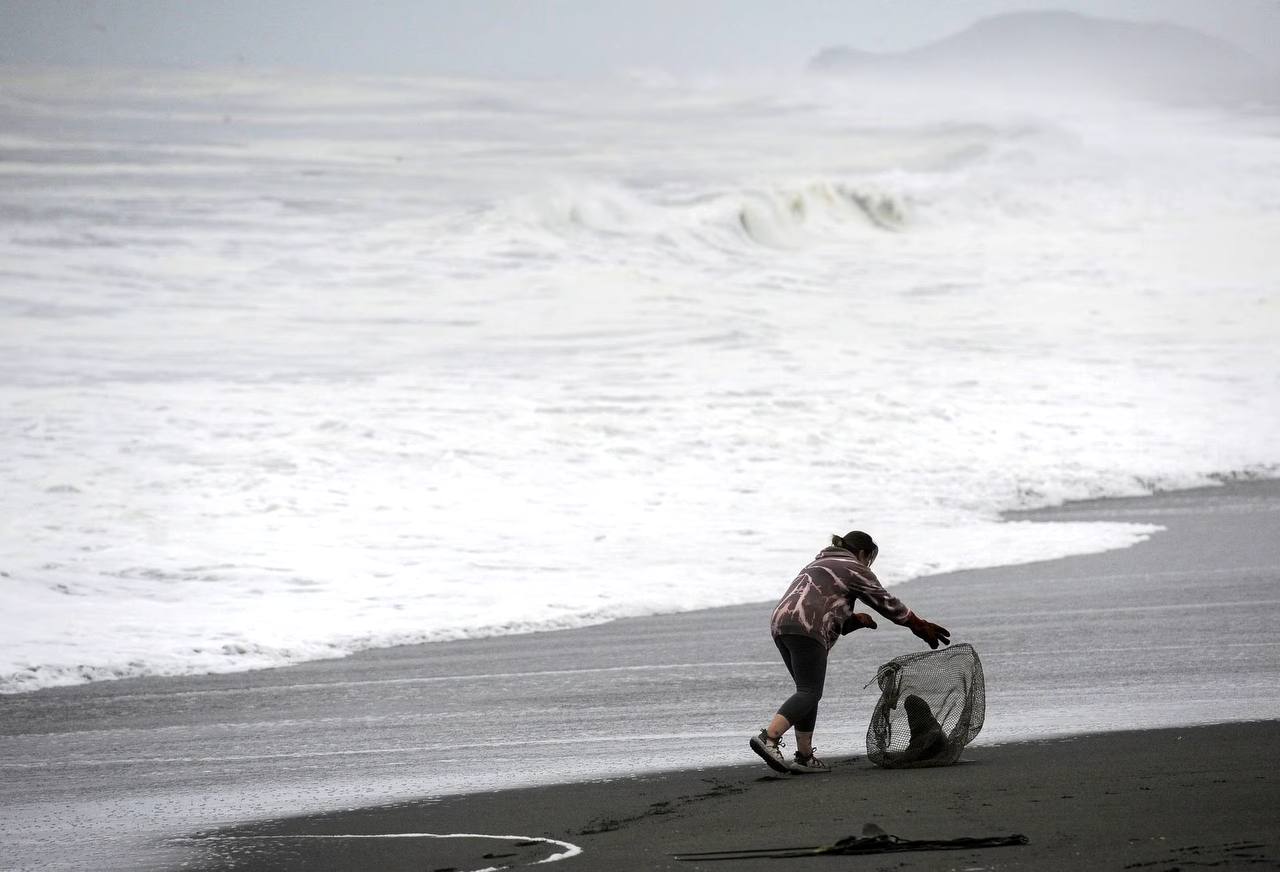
(779, 217)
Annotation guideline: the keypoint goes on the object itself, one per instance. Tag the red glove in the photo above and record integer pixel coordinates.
(931, 633)
(857, 621)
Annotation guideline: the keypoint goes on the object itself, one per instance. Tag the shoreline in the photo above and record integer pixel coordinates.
(1043, 514)
(1016, 515)
(1152, 798)
(1172, 631)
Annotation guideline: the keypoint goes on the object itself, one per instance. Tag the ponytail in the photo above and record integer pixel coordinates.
(855, 541)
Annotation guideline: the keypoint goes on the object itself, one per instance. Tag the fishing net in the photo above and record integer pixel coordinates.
(931, 705)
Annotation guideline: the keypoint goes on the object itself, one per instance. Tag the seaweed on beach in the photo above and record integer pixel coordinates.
(872, 841)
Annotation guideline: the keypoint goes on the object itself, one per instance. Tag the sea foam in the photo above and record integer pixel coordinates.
(296, 367)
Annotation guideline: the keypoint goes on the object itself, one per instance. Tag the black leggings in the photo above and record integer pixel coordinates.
(806, 660)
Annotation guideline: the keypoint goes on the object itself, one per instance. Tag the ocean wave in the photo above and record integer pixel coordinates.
(787, 216)
(397, 385)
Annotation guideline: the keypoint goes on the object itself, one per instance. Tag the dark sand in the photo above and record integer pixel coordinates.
(1162, 800)
(1178, 630)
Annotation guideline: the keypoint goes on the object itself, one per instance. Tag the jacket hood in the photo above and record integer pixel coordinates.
(836, 551)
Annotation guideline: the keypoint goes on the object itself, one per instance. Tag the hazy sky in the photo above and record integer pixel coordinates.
(538, 37)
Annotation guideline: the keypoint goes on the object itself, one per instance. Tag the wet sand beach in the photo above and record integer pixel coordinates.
(474, 736)
(1161, 799)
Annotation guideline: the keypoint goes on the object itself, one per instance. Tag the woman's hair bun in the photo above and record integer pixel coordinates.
(855, 541)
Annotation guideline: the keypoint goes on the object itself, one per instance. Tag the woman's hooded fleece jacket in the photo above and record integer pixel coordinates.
(821, 599)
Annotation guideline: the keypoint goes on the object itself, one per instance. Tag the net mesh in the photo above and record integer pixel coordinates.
(931, 705)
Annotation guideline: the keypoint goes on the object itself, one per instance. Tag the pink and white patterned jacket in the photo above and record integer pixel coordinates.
(823, 595)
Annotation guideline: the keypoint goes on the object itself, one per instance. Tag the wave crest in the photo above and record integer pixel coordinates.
(788, 217)
(781, 217)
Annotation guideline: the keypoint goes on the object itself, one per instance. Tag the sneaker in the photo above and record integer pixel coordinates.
(770, 751)
(803, 764)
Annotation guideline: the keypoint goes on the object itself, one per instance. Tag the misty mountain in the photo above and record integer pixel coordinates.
(1064, 51)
